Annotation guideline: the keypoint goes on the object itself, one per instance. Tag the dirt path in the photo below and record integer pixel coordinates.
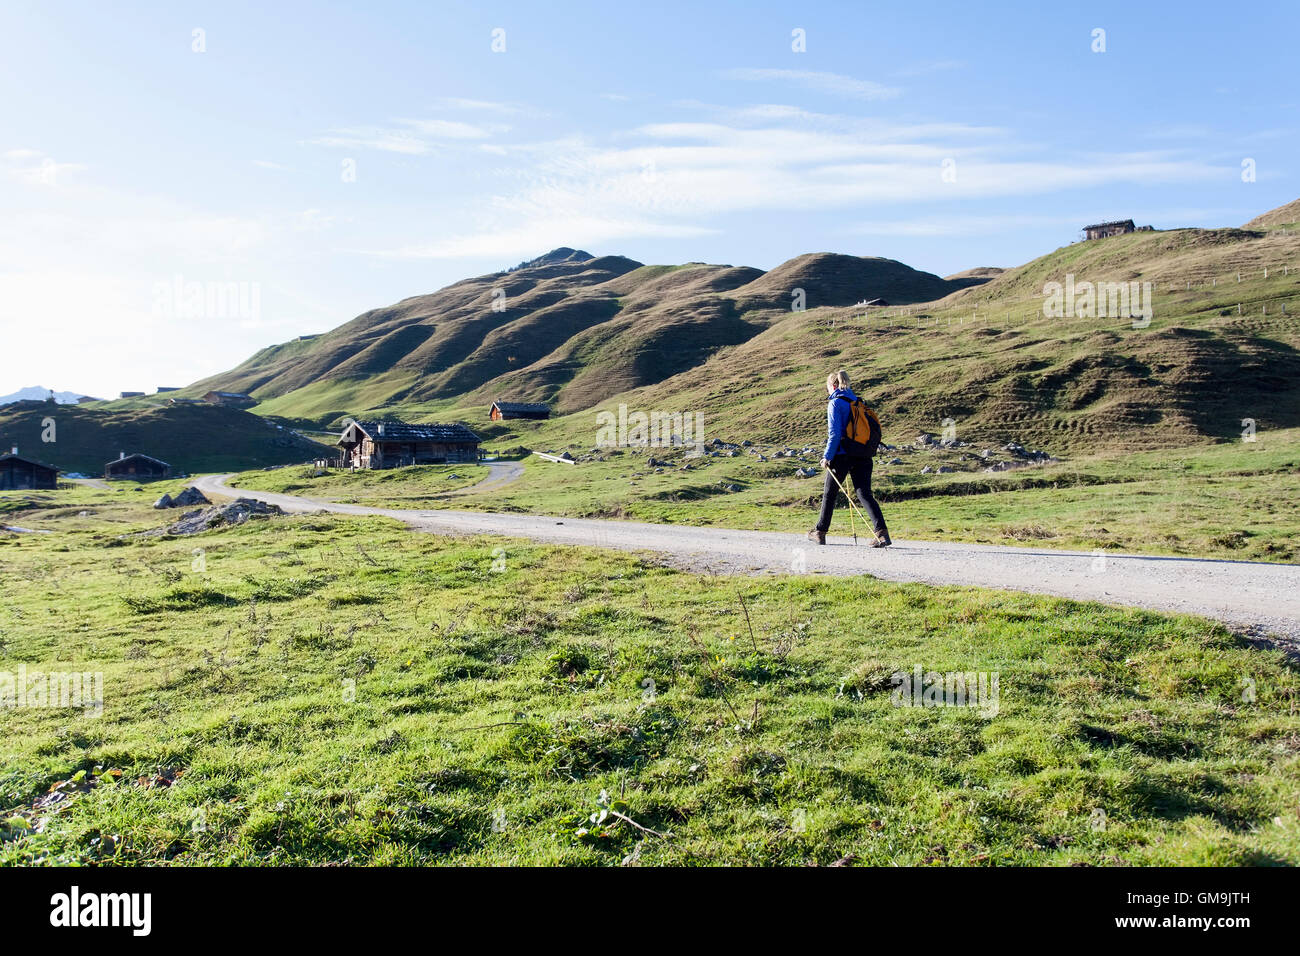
(90, 482)
(500, 473)
(1263, 598)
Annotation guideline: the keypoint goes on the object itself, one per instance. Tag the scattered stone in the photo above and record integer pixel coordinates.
(926, 470)
(217, 516)
(190, 496)
(804, 472)
(894, 461)
(164, 502)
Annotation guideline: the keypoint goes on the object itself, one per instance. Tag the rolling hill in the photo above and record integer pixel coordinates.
(566, 328)
(191, 438)
(584, 332)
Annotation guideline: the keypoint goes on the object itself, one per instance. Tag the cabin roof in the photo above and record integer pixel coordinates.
(403, 431)
(156, 461)
(1103, 225)
(9, 456)
(522, 406)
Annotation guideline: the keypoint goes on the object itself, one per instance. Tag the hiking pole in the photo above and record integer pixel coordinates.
(852, 505)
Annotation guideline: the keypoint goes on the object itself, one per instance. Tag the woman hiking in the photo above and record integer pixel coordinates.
(845, 457)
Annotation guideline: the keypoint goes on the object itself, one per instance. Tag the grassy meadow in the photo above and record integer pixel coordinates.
(321, 689)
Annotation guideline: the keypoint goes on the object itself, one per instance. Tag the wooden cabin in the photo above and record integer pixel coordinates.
(23, 474)
(504, 410)
(1101, 230)
(235, 399)
(394, 444)
(137, 468)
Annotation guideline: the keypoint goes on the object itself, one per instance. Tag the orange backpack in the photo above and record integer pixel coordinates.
(862, 431)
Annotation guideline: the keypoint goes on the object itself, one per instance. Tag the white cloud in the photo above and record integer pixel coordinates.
(412, 137)
(834, 83)
(34, 168)
(541, 233)
(676, 179)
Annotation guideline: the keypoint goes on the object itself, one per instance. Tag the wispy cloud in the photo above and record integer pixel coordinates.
(834, 83)
(34, 168)
(414, 137)
(679, 179)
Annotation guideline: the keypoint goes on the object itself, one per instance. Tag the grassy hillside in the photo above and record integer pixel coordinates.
(725, 342)
(323, 689)
(191, 438)
(568, 330)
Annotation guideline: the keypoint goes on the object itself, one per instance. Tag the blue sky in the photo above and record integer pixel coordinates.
(667, 132)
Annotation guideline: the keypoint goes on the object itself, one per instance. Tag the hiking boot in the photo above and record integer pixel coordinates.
(882, 540)
(817, 536)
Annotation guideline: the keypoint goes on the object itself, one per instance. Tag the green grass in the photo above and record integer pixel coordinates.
(418, 486)
(498, 687)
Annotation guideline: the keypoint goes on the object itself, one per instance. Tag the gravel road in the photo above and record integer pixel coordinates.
(1255, 597)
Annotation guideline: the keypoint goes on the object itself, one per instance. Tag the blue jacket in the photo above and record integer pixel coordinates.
(837, 417)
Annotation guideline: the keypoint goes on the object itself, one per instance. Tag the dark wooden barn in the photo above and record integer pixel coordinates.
(1100, 230)
(22, 474)
(504, 410)
(233, 399)
(393, 444)
(137, 468)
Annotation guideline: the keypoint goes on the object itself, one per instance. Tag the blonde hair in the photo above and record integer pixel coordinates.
(838, 379)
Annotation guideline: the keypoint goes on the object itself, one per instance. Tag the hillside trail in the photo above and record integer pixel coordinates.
(1253, 597)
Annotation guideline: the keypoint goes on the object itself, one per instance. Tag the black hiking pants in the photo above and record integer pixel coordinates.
(859, 469)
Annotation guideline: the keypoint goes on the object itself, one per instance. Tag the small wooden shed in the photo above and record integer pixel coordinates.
(394, 444)
(234, 399)
(137, 468)
(23, 474)
(505, 410)
(1100, 230)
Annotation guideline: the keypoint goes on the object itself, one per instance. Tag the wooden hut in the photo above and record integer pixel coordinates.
(233, 399)
(504, 410)
(393, 444)
(1100, 230)
(22, 474)
(136, 468)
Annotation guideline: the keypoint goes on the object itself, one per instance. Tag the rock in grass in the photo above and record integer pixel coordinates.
(190, 496)
(217, 516)
(164, 502)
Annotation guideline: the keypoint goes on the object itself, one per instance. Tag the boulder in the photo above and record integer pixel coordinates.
(216, 516)
(190, 496)
(164, 502)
